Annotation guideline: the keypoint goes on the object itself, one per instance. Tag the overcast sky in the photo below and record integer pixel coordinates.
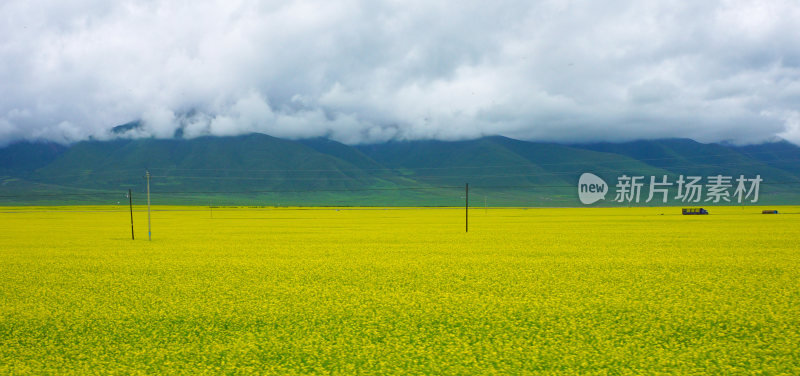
(370, 71)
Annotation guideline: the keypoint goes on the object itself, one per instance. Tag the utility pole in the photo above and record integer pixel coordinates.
(466, 208)
(130, 202)
(485, 208)
(149, 233)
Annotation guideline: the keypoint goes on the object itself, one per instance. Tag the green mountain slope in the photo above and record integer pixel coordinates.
(570, 162)
(22, 158)
(482, 162)
(511, 172)
(206, 164)
(682, 156)
(257, 169)
(782, 155)
(343, 152)
(688, 157)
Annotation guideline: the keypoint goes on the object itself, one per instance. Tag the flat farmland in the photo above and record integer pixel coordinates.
(399, 290)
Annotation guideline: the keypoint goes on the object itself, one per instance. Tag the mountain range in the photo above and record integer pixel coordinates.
(258, 169)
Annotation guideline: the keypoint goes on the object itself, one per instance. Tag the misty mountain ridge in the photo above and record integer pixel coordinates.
(258, 166)
(139, 129)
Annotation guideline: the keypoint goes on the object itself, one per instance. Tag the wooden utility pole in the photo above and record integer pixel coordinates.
(130, 203)
(149, 233)
(466, 208)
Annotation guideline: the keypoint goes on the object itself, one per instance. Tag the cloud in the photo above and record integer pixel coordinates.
(792, 132)
(370, 71)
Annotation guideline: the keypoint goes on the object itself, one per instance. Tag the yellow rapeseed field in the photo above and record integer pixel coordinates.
(392, 291)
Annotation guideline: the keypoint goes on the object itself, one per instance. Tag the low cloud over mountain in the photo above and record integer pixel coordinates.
(370, 71)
